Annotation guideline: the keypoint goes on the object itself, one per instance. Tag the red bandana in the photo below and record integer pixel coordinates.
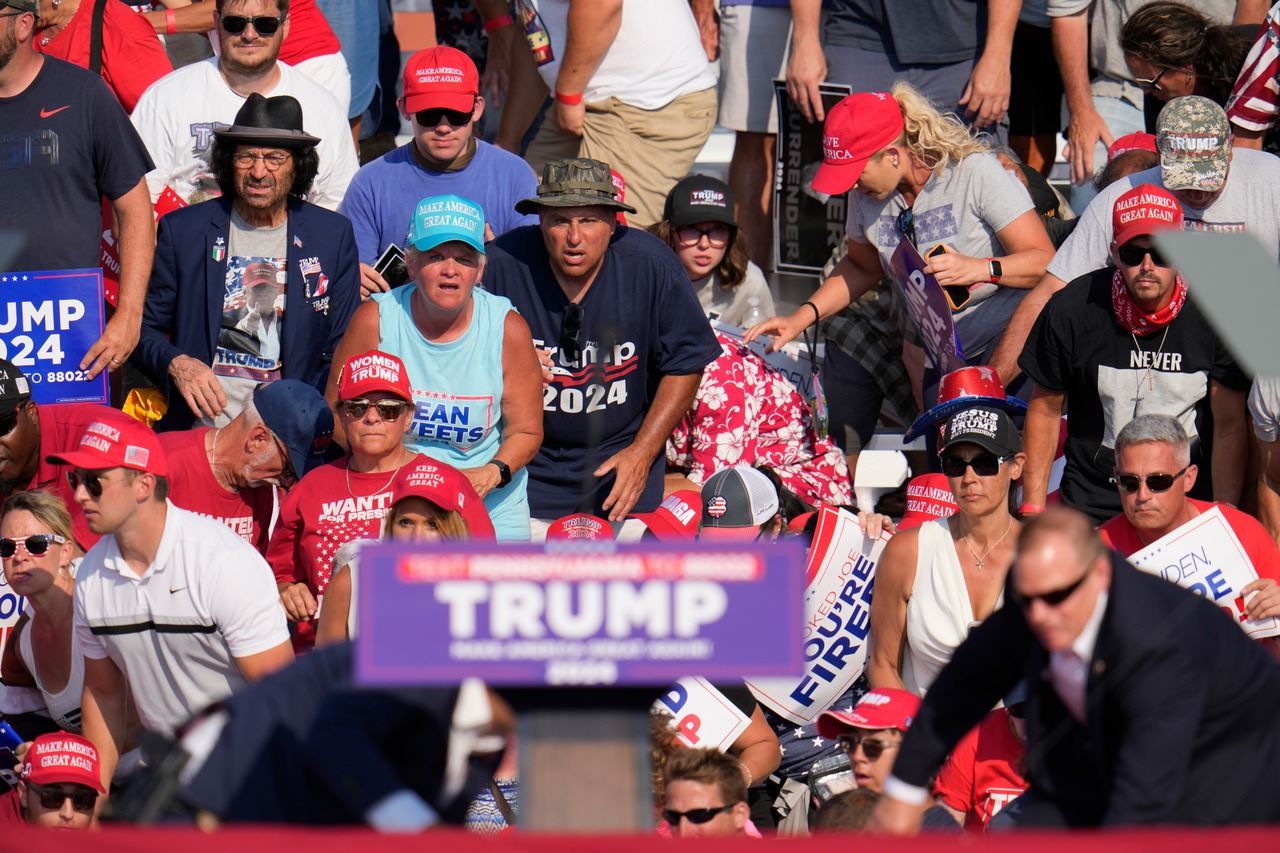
(1137, 321)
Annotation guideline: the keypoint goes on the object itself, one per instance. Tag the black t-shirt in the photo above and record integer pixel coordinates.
(1077, 347)
(641, 321)
(65, 142)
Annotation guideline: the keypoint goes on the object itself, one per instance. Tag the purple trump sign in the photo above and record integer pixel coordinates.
(577, 615)
(928, 306)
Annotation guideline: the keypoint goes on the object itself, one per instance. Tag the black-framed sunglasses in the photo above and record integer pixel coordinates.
(91, 480)
(571, 331)
(717, 235)
(263, 25)
(388, 410)
(907, 226)
(1052, 598)
(1017, 711)
(434, 116)
(53, 798)
(984, 464)
(287, 471)
(35, 545)
(1131, 255)
(698, 816)
(1155, 482)
(1151, 84)
(872, 747)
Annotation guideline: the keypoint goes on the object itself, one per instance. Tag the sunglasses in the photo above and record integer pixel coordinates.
(263, 25)
(388, 410)
(698, 816)
(1150, 84)
(9, 421)
(1053, 598)
(433, 117)
(1018, 711)
(35, 545)
(53, 798)
(984, 464)
(571, 329)
(1131, 255)
(872, 747)
(91, 480)
(907, 226)
(1155, 482)
(691, 235)
(287, 471)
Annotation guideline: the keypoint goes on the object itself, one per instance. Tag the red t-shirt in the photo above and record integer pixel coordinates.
(979, 777)
(328, 508)
(11, 810)
(1121, 536)
(132, 56)
(60, 429)
(192, 486)
(309, 34)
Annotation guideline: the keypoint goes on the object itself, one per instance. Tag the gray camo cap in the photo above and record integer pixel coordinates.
(1194, 139)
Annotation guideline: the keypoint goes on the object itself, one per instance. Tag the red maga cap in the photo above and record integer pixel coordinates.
(580, 526)
(856, 128)
(1132, 142)
(62, 757)
(440, 78)
(929, 496)
(374, 371)
(447, 488)
(115, 441)
(882, 708)
(1145, 209)
(676, 518)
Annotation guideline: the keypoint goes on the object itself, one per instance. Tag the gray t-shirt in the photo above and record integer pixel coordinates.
(1264, 406)
(1249, 203)
(730, 306)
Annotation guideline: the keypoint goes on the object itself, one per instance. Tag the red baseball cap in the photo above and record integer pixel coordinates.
(447, 488)
(580, 526)
(929, 496)
(115, 441)
(676, 518)
(963, 389)
(882, 708)
(373, 371)
(856, 128)
(1132, 142)
(1145, 209)
(440, 78)
(62, 757)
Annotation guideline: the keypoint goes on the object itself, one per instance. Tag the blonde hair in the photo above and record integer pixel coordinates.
(46, 507)
(935, 138)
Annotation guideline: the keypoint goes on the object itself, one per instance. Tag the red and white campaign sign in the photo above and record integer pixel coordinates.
(839, 574)
(702, 716)
(1205, 556)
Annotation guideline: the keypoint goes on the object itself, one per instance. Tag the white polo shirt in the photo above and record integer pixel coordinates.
(175, 632)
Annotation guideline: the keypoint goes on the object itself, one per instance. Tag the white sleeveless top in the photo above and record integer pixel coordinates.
(63, 706)
(939, 615)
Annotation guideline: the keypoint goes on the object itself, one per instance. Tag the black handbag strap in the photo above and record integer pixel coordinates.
(95, 36)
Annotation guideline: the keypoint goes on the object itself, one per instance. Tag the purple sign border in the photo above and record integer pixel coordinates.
(941, 343)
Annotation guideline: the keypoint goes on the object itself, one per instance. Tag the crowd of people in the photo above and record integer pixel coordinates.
(533, 321)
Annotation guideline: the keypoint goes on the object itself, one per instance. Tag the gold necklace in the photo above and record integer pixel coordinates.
(979, 560)
(395, 471)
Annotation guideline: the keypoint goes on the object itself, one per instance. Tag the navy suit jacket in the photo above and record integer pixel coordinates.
(188, 281)
(1181, 722)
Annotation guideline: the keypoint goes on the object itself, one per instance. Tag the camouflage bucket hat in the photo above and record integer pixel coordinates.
(1194, 140)
(32, 6)
(574, 183)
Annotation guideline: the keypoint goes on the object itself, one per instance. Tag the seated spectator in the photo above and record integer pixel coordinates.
(281, 433)
(430, 502)
(739, 504)
(675, 519)
(348, 498)
(1128, 155)
(847, 811)
(705, 795)
(1172, 49)
(59, 785)
(698, 224)
(984, 771)
(929, 497)
(936, 581)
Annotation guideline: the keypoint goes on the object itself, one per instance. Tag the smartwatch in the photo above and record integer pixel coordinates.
(996, 271)
(503, 471)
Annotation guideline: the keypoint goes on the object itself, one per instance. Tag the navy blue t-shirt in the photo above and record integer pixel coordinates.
(641, 321)
(65, 142)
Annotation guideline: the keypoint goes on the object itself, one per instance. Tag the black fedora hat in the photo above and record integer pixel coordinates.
(268, 121)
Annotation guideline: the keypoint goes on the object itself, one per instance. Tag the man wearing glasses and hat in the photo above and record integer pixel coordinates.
(627, 340)
(281, 274)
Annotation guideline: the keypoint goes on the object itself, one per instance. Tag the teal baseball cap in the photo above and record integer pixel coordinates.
(445, 218)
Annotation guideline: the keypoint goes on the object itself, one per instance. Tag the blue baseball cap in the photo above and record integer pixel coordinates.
(299, 417)
(444, 219)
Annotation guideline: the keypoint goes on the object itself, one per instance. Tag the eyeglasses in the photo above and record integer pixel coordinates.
(984, 464)
(388, 410)
(274, 161)
(872, 747)
(698, 816)
(433, 117)
(9, 421)
(263, 25)
(36, 545)
(1018, 711)
(1053, 598)
(1155, 482)
(571, 329)
(1131, 255)
(287, 472)
(53, 798)
(91, 480)
(1152, 84)
(907, 226)
(691, 235)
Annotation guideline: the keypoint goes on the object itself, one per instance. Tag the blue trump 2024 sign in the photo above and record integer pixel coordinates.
(48, 321)
(637, 615)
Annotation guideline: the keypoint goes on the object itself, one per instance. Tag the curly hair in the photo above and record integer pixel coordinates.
(935, 138)
(733, 266)
(306, 164)
(1174, 35)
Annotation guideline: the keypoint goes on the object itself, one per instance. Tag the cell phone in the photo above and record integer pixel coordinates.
(391, 266)
(10, 740)
(940, 249)
(830, 776)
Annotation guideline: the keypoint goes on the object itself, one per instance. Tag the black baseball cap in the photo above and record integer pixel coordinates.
(989, 428)
(699, 198)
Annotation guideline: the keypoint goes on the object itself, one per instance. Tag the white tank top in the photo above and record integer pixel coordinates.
(63, 706)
